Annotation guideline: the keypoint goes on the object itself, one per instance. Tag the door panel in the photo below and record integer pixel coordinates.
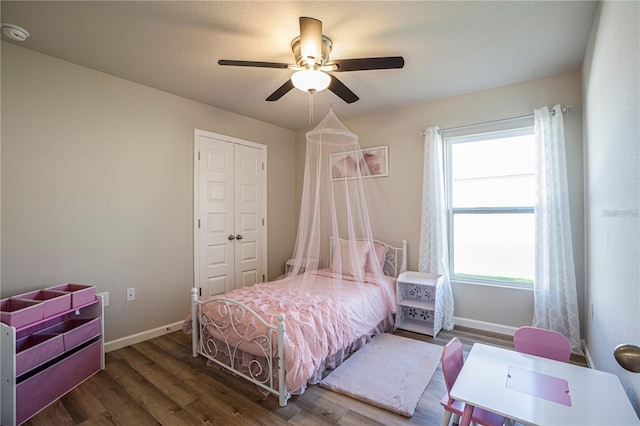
(216, 251)
(248, 214)
(249, 277)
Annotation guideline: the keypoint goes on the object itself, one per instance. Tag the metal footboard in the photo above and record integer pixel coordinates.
(223, 342)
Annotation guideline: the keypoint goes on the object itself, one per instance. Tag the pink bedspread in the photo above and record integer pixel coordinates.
(320, 321)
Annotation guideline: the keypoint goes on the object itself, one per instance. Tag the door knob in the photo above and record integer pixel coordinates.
(231, 237)
(238, 237)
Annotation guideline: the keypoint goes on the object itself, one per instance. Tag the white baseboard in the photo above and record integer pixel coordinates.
(485, 326)
(509, 331)
(141, 337)
(587, 355)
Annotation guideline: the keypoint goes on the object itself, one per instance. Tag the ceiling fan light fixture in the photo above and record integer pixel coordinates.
(310, 80)
(311, 51)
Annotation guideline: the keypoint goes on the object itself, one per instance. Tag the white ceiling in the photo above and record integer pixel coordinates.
(450, 48)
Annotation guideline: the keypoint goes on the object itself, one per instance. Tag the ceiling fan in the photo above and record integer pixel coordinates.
(311, 50)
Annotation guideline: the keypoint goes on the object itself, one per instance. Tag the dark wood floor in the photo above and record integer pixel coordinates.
(159, 382)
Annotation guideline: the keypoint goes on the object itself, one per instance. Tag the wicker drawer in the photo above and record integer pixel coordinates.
(80, 294)
(35, 350)
(38, 391)
(53, 302)
(74, 332)
(18, 312)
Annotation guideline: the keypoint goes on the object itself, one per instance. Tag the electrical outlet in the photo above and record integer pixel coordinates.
(131, 294)
(105, 298)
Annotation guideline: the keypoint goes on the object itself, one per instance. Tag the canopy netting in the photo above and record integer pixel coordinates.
(341, 206)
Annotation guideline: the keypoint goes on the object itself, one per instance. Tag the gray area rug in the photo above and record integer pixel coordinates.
(390, 372)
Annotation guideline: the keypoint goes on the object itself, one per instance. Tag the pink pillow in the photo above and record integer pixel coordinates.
(353, 257)
(378, 256)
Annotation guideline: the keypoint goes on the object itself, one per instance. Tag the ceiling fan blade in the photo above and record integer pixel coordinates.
(281, 91)
(363, 64)
(311, 40)
(252, 64)
(343, 92)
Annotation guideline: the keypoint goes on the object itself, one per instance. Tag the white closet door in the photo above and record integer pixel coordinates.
(230, 233)
(248, 215)
(216, 216)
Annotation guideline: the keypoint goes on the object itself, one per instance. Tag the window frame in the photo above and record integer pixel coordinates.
(494, 130)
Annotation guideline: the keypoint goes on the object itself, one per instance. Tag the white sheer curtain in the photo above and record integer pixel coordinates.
(555, 296)
(434, 252)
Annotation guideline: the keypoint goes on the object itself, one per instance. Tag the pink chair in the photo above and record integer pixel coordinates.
(541, 342)
(451, 365)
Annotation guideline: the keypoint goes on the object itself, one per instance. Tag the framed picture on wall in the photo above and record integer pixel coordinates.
(370, 162)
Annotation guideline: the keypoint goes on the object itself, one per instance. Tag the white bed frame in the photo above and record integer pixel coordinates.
(234, 312)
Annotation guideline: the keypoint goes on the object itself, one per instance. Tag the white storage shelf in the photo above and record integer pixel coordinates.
(44, 357)
(419, 302)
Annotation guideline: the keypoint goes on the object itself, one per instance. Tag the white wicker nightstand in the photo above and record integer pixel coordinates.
(419, 302)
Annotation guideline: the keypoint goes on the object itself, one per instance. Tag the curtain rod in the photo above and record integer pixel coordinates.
(564, 109)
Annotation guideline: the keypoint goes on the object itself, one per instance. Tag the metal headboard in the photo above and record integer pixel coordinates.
(395, 261)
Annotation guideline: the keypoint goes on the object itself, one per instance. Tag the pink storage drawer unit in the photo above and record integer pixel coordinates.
(16, 312)
(51, 341)
(53, 302)
(35, 350)
(74, 331)
(80, 294)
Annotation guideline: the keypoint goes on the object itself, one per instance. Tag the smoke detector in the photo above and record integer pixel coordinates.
(15, 32)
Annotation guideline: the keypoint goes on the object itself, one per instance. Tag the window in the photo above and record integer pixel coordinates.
(491, 194)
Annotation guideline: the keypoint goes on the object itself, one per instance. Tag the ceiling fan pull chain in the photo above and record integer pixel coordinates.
(310, 107)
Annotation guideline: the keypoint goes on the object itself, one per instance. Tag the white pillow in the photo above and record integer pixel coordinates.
(353, 258)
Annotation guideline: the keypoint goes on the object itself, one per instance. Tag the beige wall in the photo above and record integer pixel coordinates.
(400, 130)
(97, 187)
(612, 164)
